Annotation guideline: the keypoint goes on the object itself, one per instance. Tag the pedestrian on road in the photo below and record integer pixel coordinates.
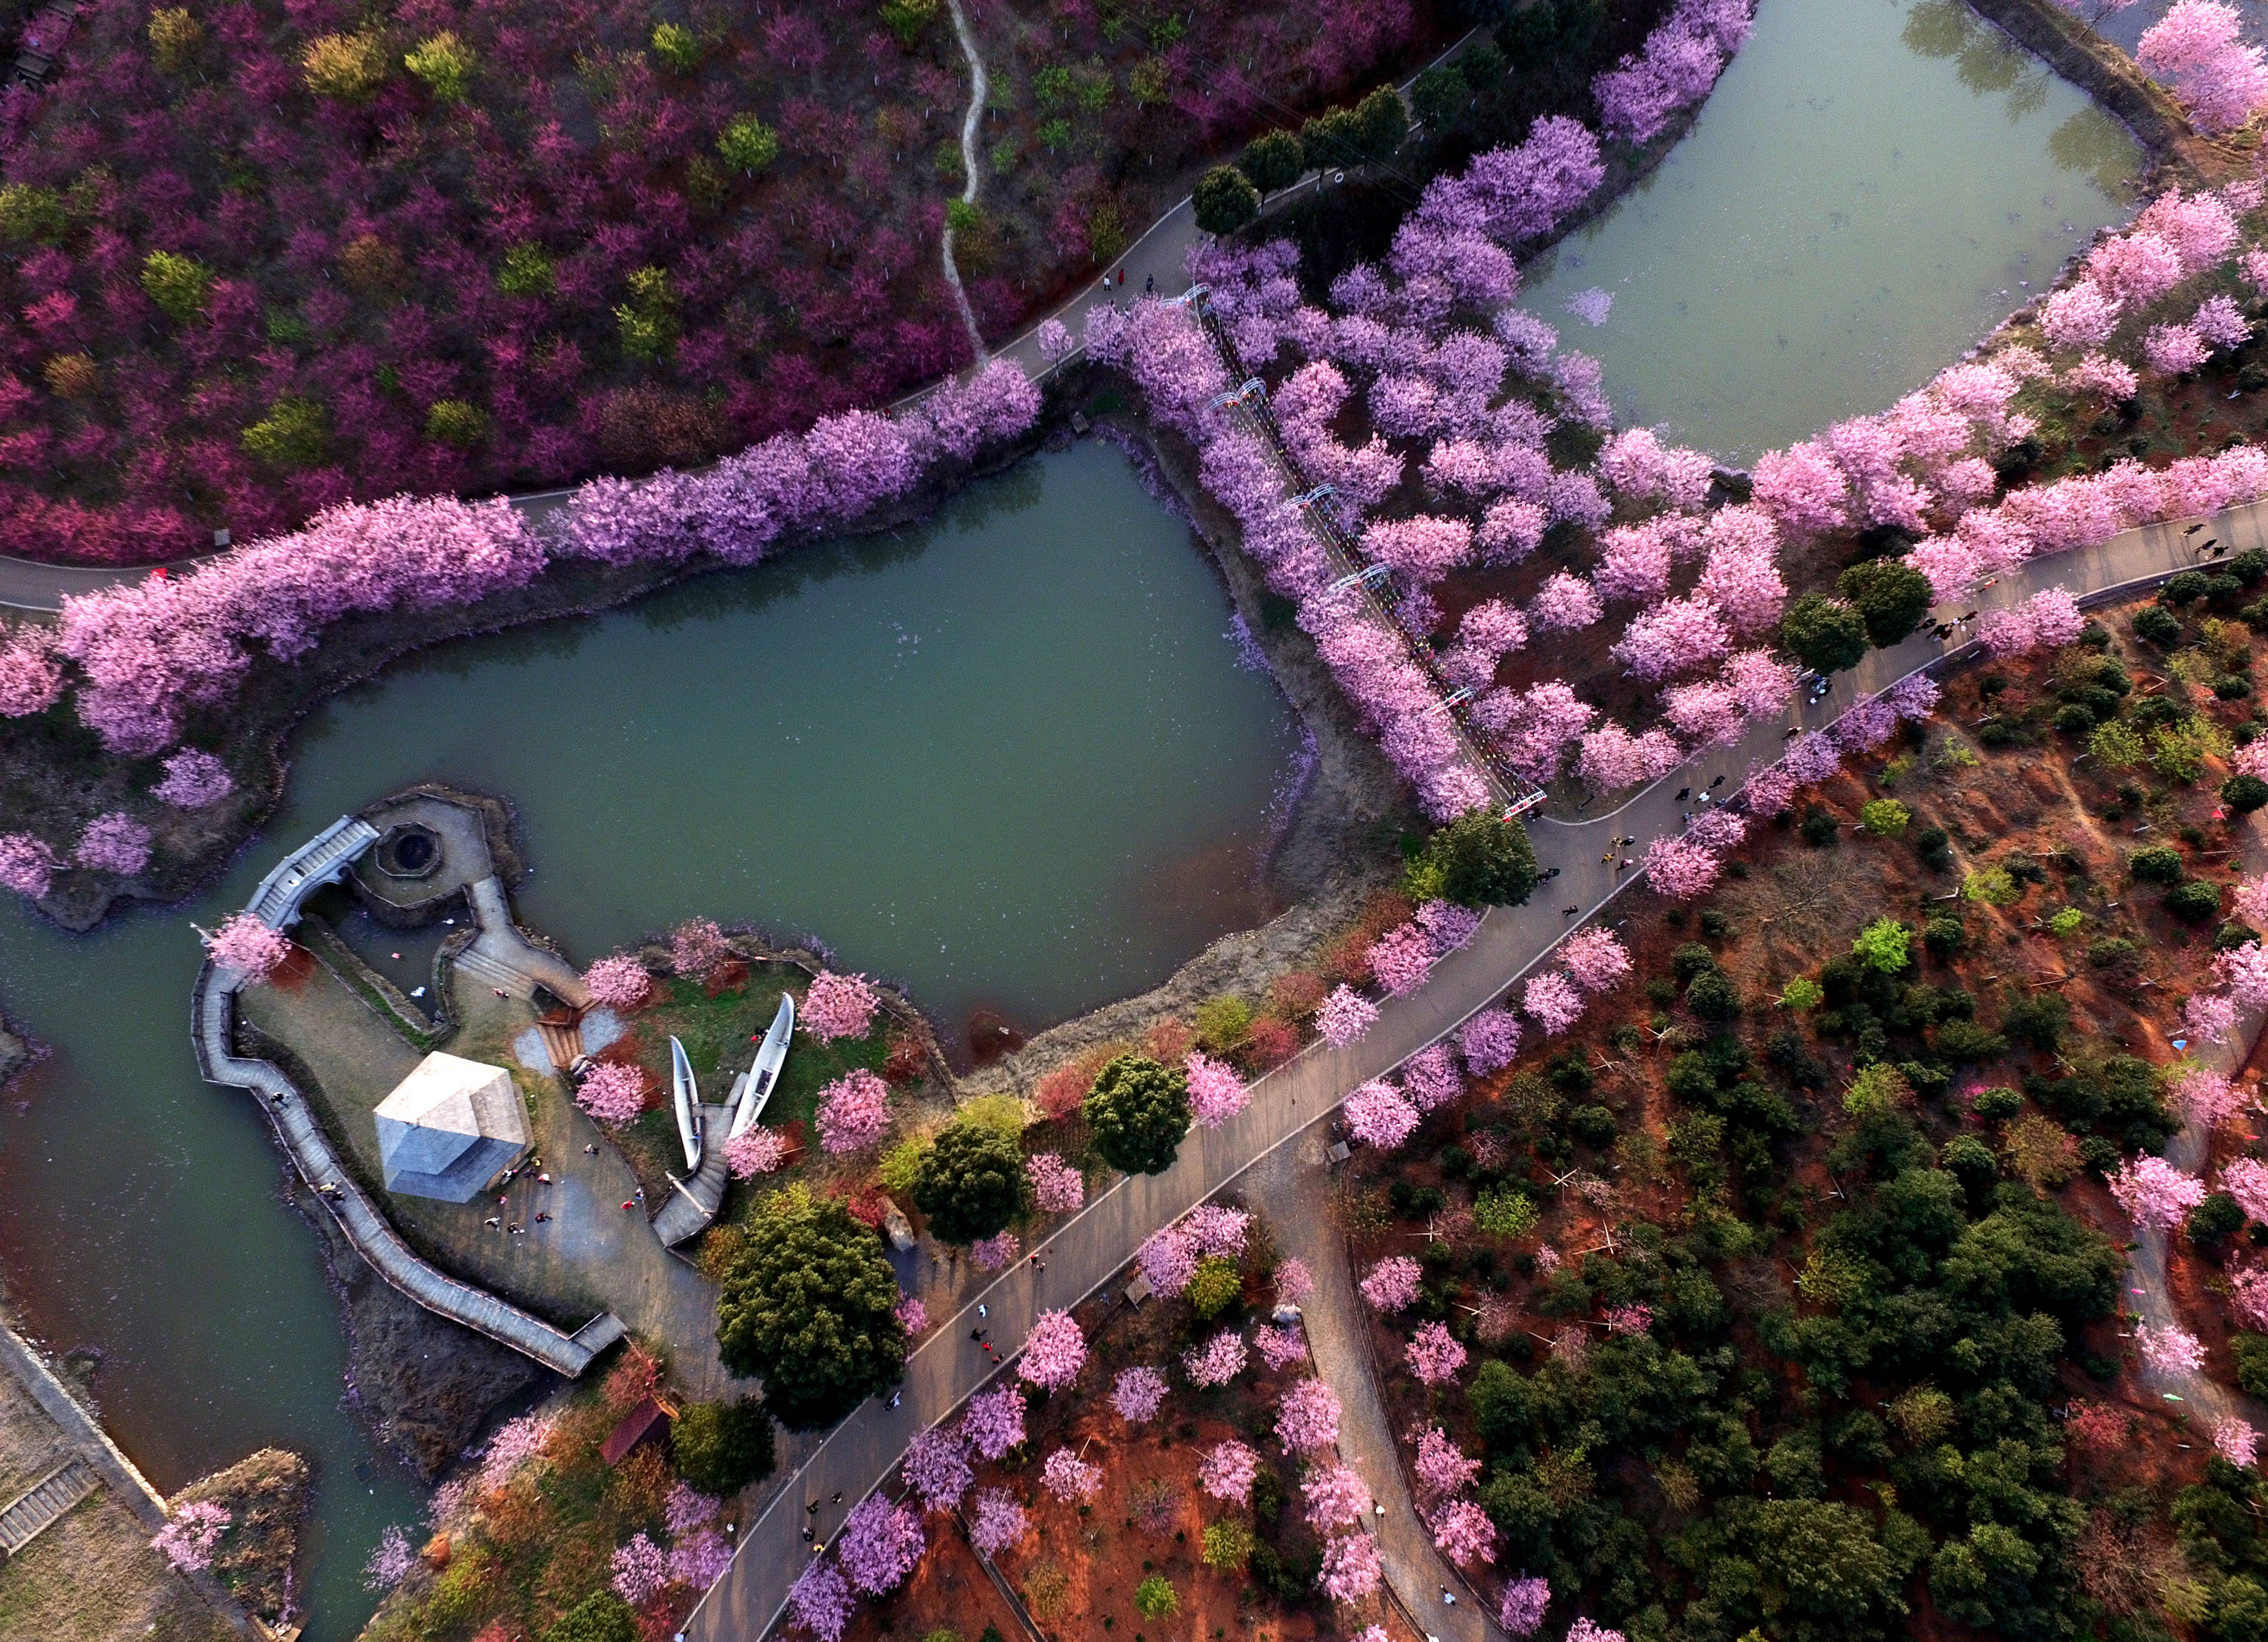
(1448, 1597)
(807, 1535)
(812, 1509)
(978, 1335)
(1719, 782)
(983, 1311)
(896, 1397)
(838, 1496)
(1149, 284)
(540, 1218)
(1685, 793)
(1569, 912)
(590, 1152)
(494, 1219)
(627, 1204)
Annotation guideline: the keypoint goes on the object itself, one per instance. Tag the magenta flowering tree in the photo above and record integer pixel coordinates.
(1336, 1498)
(1680, 869)
(1137, 1394)
(189, 1540)
(1070, 1478)
(614, 1094)
(1391, 1283)
(1402, 958)
(1552, 1001)
(1443, 1471)
(854, 1112)
(2250, 896)
(1433, 1356)
(686, 1508)
(697, 949)
(1378, 1117)
(1447, 925)
(2210, 1015)
(1294, 1283)
(755, 1151)
(1563, 604)
(996, 1522)
(1054, 341)
(2080, 316)
(1214, 1228)
(1218, 1361)
(1057, 1187)
(698, 1560)
(193, 779)
(1227, 1471)
(1279, 1347)
(1168, 1260)
(27, 866)
(2154, 1192)
(1216, 1092)
(641, 1570)
(2170, 1350)
(1525, 1600)
(820, 1602)
(1586, 1629)
(838, 1006)
(618, 981)
(878, 1545)
(2174, 349)
(1463, 1533)
(1430, 1079)
(1490, 1042)
(2244, 970)
(248, 946)
(1053, 1351)
(1308, 1418)
(1634, 1318)
(30, 681)
(996, 1253)
(1345, 1017)
(1351, 1570)
(114, 843)
(1676, 635)
(994, 1423)
(1595, 959)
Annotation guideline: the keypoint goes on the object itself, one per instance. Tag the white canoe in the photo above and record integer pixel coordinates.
(757, 1088)
(688, 1093)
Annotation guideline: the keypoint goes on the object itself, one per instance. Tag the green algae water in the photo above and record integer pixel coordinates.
(1009, 758)
(1874, 184)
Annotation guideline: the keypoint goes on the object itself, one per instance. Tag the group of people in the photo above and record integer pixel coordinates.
(513, 1228)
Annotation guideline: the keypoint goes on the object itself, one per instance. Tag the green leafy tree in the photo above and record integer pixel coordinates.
(456, 421)
(527, 271)
(748, 144)
(1885, 945)
(1155, 1597)
(346, 68)
(32, 213)
(444, 63)
(1224, 199)
(679, 47)
(292, 436)
(1217, 1286)
(175, 38)
(602, 1616)
(1478, 860)
(1331, 140)
(809, 1306)
(971, 1182)
(2197, 901)
(1890, 596)
(1138, 1112)
(648, 321)
(1824, 1560)
(1272, 161)
(1802, 995)
(1440, 94)
(721, 1447)
(1885, 818)
(177, 285)
(1228, 1545)
(1382, 123)
(1825, 634)
(2117, 746)
(908, 18)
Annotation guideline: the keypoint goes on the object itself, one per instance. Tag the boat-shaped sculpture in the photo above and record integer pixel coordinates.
(758, 1087)
(688, 1093)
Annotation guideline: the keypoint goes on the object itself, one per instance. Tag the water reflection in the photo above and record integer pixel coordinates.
(1874, 184)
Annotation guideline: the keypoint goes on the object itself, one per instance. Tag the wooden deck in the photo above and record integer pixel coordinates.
(44, 1503)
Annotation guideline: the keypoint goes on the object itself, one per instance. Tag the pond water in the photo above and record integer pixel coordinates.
(1010, 758)
(1873, 186)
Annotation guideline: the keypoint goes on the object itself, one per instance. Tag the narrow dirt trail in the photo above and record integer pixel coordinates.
(980, 87)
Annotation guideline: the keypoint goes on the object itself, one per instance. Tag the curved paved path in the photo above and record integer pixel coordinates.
(1087, 1251)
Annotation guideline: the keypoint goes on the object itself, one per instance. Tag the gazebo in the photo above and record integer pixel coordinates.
(450, 1128)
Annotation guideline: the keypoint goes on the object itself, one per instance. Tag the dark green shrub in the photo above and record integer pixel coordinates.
(1934, 848)
(2185, 587)
(2251, 1353)
(2215, 1220)
(1966, 1040)
(808, 1306)
(1138, 1111)
(1996, 1106)
(2197, 901)
(2113, 952)
(2244, 793)
(2160, 864)
(721, 1447)
(1382, 123)
(602, 1616)
(1825, 634)
(2158, 626)
(1593, 1125)
(1712, 997)
(1818, 827)
(1944, 934)
(1890, 596)
(1691, 959)
(2037, 1021)
(1440, 94)
(2074, 720)
(2249, 566)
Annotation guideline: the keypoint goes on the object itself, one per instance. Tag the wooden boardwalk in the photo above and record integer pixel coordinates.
(44, 1503)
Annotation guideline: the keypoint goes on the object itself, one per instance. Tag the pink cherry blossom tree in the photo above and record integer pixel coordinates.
(641, 1570)
(1430, 1079)
(994, 1422)
(1345, 1017)
(1525, 1600)
(2246, 1180)
(1057, 1187)
(996, 1253)
(2170, 1350)
(1336, 1498)
(878, 1544)
(1227, 1471)
(1680, 869)
(2197, 46)
(1293, 1281)
(1308, 1418)
(1376, 1116)
(1070, 1478)
(613, 1093)
(1552, 1001)
(1053, 1351)
(618, 981)
(113, 842)
(189, 1539)
(756, 1151)
(1168, 1260)
(193, 779)
(854, 1112)
(1218, 1361)
(1443, 1471)
(1463, 1533)
(1433, 1357)
(697, 949)
(1352, 1569)
(2154, 1192)
(1391, 1283)
(1137, 1394)
(1216, 1092)
(2237, 1441)
(1595, 959)
(997, 1523)
(1402, 958)
(838, 1006)
(1489, 1041)
(820, 1602)
(248, 946)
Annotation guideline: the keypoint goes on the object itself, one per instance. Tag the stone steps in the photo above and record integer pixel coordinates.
(44, 1503)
